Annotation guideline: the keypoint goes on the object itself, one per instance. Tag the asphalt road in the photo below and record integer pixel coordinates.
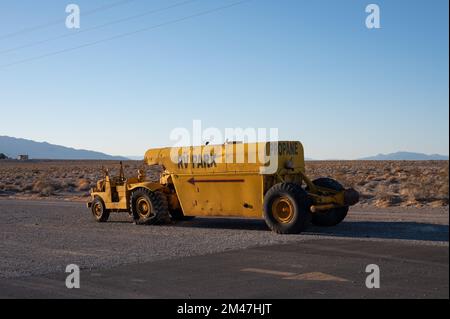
(217, 257)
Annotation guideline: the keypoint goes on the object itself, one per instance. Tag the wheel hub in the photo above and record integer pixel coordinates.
(97, 209)
(143, 207)
(283, 210)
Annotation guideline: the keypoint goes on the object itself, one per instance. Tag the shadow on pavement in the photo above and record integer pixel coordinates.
(224, 223)
(386, 230)
(350, 229)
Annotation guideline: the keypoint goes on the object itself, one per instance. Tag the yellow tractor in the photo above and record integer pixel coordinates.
(263, 180)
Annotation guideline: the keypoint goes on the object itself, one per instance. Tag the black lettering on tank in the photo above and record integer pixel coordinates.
(213, 160)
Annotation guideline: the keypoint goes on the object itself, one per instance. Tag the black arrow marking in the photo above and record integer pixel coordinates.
(193, 181)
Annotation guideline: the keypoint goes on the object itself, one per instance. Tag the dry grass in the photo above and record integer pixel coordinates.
(381, 184)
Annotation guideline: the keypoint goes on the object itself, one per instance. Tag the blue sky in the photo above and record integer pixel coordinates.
(309, 68)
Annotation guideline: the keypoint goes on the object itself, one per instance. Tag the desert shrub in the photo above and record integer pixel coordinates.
(443, 191)
(10, 188)
(387, 200)
(68, 186)
(83, 185)
(27, 187)
(44, 187)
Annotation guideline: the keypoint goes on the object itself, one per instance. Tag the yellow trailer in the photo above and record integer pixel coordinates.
(263, 180)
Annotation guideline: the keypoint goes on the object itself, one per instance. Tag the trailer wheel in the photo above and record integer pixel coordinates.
(148, 208)
(99, 211)
(286, 209)
(331, 217)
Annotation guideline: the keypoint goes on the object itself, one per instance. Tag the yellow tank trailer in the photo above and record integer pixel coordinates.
(262, 180)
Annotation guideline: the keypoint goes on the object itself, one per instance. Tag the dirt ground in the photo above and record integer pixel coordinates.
(381, 183)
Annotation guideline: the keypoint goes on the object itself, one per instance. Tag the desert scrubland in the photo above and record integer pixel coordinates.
(390, 183)
(381, 183)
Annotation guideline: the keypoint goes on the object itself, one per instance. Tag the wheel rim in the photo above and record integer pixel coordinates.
(283, 210)
(98, 209)
(144, 208)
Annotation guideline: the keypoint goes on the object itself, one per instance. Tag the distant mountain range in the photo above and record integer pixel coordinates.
(405, 156)
(136, 158)
(13, 147)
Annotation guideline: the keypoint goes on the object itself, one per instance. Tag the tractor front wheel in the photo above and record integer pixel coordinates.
(99, 211)
(286, 208)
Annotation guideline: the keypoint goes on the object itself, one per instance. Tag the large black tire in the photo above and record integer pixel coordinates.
(99, 211)
(331, 217)
(149, 208)
(286, 209)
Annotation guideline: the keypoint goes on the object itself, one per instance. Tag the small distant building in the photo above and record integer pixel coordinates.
(23, 157)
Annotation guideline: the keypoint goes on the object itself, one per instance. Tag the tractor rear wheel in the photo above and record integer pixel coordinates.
(148, 208)
(330, 217)
(99, 211)
(286, 208)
